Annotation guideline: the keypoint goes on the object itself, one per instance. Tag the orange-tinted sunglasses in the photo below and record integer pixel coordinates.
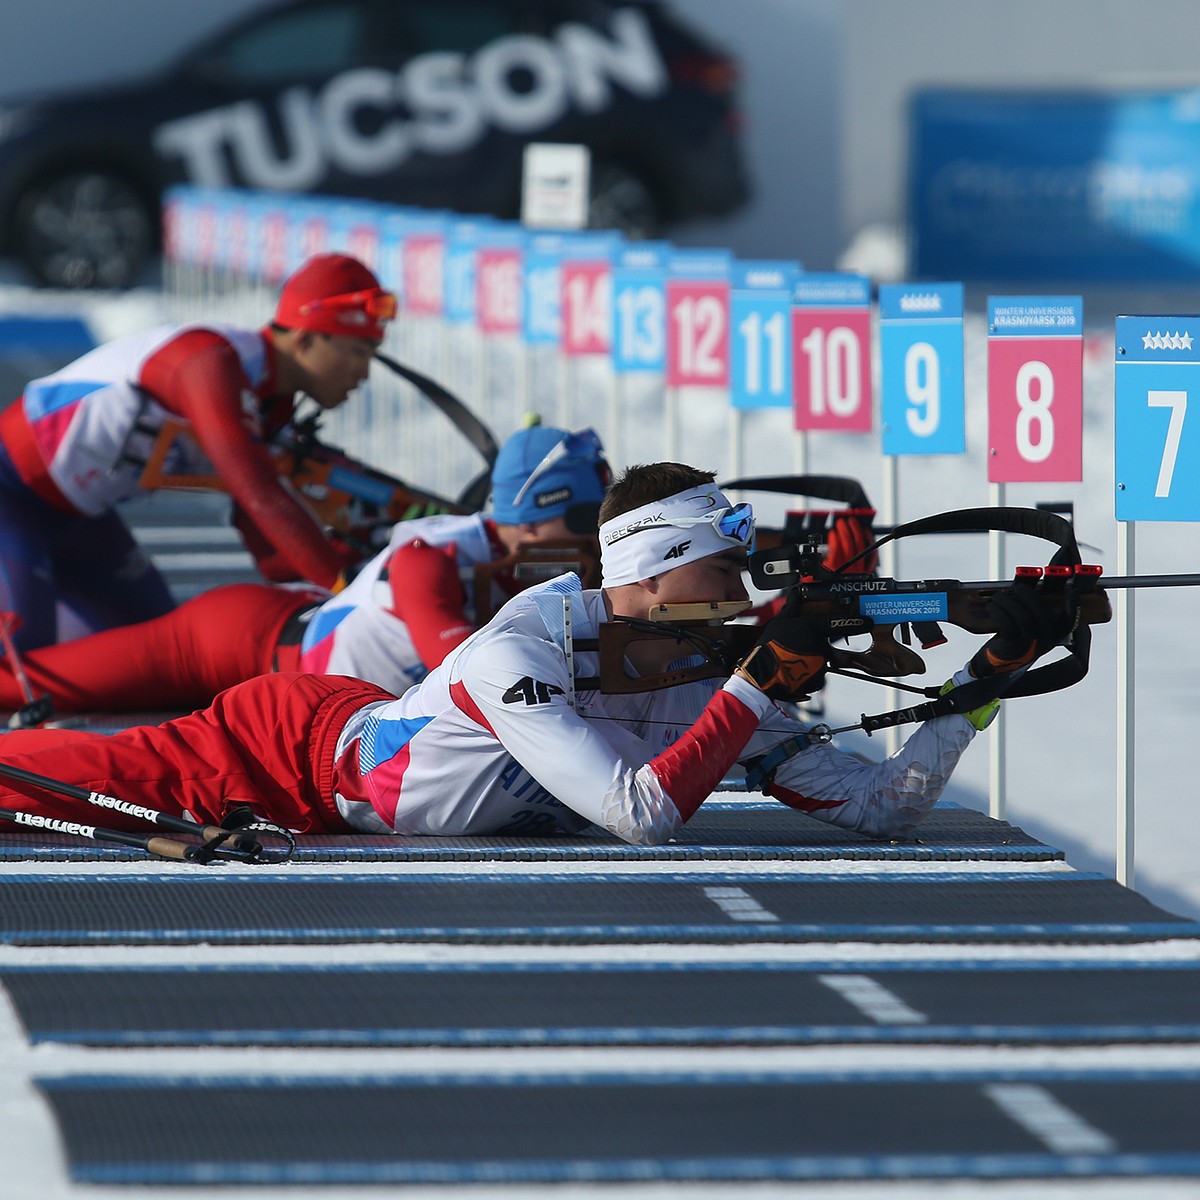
(375, 302)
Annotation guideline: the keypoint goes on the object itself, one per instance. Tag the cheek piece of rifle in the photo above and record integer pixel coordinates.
(699, 630)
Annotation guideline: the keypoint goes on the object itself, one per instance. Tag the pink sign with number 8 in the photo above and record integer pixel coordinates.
(1035, 409)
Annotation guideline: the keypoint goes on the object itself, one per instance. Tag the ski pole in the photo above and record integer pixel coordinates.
(159, 846)
(239, 826)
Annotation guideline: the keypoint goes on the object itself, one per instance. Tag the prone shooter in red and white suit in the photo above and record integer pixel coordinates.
(405, 610)
(76, 443)
(513, 733)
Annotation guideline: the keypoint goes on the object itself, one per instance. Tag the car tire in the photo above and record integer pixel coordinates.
(86, 228)
(620, 199)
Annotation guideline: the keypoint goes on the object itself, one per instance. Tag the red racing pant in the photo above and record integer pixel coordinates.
(268, 742)
(177, 661)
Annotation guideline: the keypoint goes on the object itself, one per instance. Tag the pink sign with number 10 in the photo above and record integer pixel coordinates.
(831, 353)
(1035, 389)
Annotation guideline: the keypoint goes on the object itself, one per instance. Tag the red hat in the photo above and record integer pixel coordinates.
(334, 293)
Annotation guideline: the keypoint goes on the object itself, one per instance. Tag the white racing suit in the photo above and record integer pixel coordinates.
(488, 743)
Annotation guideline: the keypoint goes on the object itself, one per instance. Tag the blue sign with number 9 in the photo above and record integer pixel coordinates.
(921, 359)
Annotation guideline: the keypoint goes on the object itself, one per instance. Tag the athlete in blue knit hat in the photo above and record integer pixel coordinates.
(442, 577)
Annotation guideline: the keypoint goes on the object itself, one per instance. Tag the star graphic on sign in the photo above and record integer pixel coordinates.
(1149, 342)
(1185, 341)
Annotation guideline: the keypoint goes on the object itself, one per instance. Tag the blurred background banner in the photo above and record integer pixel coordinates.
(1049, 186)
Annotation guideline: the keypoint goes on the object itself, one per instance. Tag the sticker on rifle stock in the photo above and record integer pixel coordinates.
(374, 491)
(926, 606)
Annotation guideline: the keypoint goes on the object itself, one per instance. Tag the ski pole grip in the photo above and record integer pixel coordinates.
(168, 848)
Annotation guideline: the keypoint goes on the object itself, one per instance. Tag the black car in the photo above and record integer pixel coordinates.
(413, 102)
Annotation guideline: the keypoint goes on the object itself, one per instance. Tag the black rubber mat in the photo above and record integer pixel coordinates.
(207, 906)
(646, 1004)
(583, 1127)
(723, 829)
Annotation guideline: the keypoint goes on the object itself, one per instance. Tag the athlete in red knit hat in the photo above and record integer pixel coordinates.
(78, 441)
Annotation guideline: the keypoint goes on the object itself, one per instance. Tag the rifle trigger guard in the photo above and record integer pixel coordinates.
(884, 658)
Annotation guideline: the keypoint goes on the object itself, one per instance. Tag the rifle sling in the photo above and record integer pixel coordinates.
(966, 697)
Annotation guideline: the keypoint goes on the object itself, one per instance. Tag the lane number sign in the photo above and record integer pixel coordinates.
(1157, 418)
(831, 352)
(761, 334)
(922, 395)
(1035, 389)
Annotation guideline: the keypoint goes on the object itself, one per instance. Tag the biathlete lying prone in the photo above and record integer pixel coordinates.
(516, 733)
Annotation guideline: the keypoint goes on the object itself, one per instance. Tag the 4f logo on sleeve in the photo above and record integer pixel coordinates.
(528, 690)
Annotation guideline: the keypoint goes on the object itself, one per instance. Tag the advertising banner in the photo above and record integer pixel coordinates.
(1049, 185)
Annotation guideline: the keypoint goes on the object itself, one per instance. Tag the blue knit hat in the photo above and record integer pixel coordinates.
(541, 472)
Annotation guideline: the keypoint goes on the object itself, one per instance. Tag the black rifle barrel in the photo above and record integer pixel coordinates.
(1109, 581)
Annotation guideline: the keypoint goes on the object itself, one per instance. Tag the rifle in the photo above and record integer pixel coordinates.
(808, 523)
(475, 494)
(843, 604)
(348, 496)
(535, 562)
(345, 495)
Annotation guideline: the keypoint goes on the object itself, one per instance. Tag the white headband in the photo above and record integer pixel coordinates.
(666, 534)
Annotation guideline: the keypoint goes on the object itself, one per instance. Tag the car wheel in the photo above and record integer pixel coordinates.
(84, 229)
(621, 200)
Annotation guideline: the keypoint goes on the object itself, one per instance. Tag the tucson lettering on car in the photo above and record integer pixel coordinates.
(450, 99)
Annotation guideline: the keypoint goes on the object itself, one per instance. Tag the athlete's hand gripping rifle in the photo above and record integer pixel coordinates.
(845, 604)
(355, 499)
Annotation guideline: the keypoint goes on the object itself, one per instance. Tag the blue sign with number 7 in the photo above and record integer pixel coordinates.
(1157, 438)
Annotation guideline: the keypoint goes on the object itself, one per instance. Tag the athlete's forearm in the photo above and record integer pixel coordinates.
(206, 385)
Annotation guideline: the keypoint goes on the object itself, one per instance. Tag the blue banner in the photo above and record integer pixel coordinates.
(1035, 316)
(1055, 185)
(699, 264)
(832, 290)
